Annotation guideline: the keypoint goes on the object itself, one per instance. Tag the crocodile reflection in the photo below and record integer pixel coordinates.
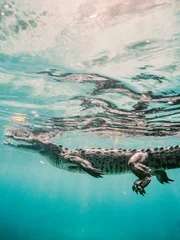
(142, 119)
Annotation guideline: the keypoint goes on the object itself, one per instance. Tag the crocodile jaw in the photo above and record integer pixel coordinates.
(18, 134)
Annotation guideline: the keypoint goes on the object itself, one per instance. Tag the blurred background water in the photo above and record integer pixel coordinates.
(96, 71)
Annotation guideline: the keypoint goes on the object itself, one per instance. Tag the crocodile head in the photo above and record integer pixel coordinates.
(32, 139)
(19, 134)
(29, 135)
(36, 140)
(24, 138)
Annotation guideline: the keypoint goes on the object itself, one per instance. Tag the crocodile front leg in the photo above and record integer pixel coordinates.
(85, 165)
(137, 165)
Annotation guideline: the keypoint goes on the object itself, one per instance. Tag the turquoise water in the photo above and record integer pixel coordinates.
(96, 71)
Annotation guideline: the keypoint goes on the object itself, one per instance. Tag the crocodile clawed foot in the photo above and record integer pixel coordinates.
(97, 173)
(140, 184)
(162, 177)
(168, 180)
(139, 189)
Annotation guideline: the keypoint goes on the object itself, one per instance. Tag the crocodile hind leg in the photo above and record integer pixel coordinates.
(85, 165)
(162, 177)
(137, 165)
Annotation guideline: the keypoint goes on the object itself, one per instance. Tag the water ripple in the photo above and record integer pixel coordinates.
(109, 108)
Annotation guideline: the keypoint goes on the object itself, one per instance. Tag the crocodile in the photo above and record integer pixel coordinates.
(144, 163)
